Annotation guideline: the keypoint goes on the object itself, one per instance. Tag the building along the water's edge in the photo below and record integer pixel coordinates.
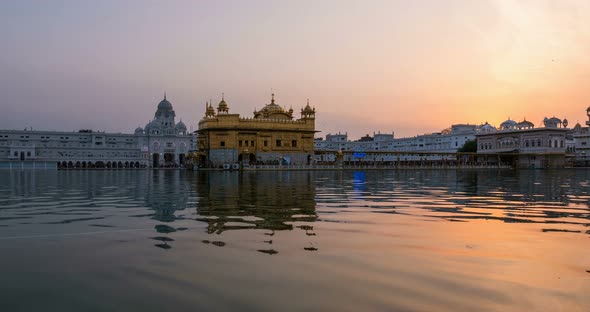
(272, 136)
(161, 143)
(274, 139)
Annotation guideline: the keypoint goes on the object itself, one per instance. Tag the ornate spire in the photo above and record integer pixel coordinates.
(164, 95)
(209, 110)
(272, 98)
(308, 112)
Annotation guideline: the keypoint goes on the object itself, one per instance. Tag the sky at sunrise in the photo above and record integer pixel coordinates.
(412, 67)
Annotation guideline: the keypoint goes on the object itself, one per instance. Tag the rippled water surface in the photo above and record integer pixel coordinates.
(279, 241)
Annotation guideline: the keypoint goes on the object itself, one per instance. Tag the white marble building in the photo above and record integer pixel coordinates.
(376, 148)
(523, 145)
(163, 143)
(579, 144)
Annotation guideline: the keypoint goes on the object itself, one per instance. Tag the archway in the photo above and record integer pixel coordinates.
(203, 160)
(156, 160)
(181, 159)
(168, 159)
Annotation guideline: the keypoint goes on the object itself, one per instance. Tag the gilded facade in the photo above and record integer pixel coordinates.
(271, 136)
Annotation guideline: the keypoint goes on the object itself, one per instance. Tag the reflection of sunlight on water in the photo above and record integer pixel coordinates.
(397, 239)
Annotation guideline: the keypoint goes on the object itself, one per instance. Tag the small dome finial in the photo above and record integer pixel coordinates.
(164, 95)
(222, 96)
(272, 98)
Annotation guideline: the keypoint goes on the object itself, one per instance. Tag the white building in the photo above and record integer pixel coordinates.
(163, 142)
(579, 146)
(376, 148)
(522, 145)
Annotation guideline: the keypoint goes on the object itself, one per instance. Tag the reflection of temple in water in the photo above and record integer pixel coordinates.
(255, 200)
(168, 192)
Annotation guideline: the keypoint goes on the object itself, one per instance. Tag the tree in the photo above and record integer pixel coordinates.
(469, 147)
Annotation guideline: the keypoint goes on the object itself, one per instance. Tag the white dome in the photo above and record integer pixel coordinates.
(165, 109)
(151, 126)
(552, 122)
(508, 124)
(165, 104)
(487, 128)
(525, 124)
(180, 126)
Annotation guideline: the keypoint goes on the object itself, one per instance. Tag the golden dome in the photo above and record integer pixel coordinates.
(273, 111)
(222, 106)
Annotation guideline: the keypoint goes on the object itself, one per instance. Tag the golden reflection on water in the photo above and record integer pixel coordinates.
(395, 240)
(483, 234)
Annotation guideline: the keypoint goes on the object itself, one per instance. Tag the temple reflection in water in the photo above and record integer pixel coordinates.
(168, 192)
(197, 234)
(223, 207)
(255, 200)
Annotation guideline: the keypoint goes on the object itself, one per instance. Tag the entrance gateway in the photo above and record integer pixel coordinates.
(156, 160)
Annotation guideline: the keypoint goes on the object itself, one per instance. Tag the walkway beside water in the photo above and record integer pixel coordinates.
(343, 167)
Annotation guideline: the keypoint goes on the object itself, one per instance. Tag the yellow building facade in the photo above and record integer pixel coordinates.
(271, 136)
